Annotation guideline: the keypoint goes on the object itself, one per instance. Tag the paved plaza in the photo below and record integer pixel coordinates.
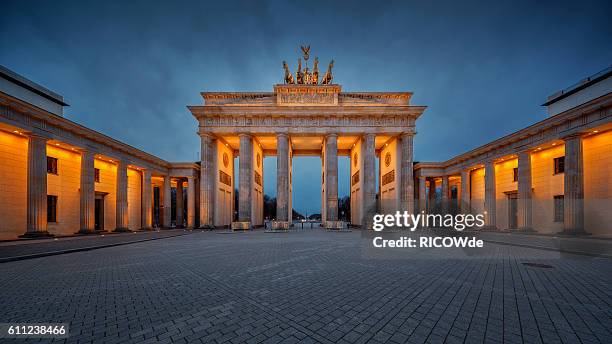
(310, 286)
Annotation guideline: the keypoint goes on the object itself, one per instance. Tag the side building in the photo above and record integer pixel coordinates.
(59, 177)
(554, 176)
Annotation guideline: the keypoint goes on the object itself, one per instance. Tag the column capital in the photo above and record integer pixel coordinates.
(369, 135)
(282, 134)
(572, 136)
(206, 135)
(247, 135)
(406, 134)
(330, 135)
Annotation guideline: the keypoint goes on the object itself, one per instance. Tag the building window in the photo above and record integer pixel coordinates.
(97, 175)
(559, 165)
(51, 208)
(515, 174)
(558, 208)
(51, 165)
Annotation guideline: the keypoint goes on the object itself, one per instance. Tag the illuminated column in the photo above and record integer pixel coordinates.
(422, 193)
(331, 175)
(524, 191)
(444, 192)
(490, 207)
(190, 202)
(147, 201)
(207, 180)
(179, 203)
(369, 188)
(407, 179)
(37, 187)
(167, 202)
(88, 193)
(246, 178)
(122, 198)
(432, 195)
(282, 177)
(465, 191)
(573, 200)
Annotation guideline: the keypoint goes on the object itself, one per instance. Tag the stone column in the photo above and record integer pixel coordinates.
(407, 179)
(490, 206)
(432, 195)
(573, 199)
(282, 177)
(167, 221)
(331, 175)
(207, 181)
(524, 191)
(37, 187)
(465, 192)
(369, 188)
(179, 203)
(88, 193)
(444, 192)
(190, 202)
(147, 201)
(122, 218)
(422, 193)
(246, 178)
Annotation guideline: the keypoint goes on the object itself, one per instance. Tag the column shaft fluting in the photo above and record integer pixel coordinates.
(207, 181)
(432, 196)
(37, 186)
(88, 193)
(369, 179)
(190, 202)
(465, 192)
(422, 193)
(246, 178)
(167, 216)
(179, 203)
(573, 200)
(444, 194)
(331, 177)
(490, 206)
(147, 200)
(282, 177)
(524, 191)
(122, 197)
(407, 179)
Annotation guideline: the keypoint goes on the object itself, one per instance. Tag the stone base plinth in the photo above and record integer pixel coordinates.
(335, 225)
(241, 226)
(44, 234)
(122, 230)
(279, 225)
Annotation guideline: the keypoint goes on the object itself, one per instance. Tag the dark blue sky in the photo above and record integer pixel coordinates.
(129, 69)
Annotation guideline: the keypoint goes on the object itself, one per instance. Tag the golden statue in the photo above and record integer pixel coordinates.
(328, 77)
(306, 51)
(288, 75)
(298, 75)
(307, 78)
(315, 72)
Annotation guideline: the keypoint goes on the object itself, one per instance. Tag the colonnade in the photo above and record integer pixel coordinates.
(573, 188)
(37, 193)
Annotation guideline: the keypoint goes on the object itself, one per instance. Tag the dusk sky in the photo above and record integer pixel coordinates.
(129, 69)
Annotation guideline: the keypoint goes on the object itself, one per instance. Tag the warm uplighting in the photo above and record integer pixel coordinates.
(595, 131)
(554, 144)
(57, 144)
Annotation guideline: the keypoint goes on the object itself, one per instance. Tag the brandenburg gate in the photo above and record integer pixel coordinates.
(304, 116)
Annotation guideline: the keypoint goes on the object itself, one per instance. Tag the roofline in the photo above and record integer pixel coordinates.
(582, 84)
(31, 86)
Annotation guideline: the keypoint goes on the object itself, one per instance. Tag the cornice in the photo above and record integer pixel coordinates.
(307, 111)
(83, 133)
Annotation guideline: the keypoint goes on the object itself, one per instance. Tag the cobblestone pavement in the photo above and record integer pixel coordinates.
(26, 247)
(309, 286)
